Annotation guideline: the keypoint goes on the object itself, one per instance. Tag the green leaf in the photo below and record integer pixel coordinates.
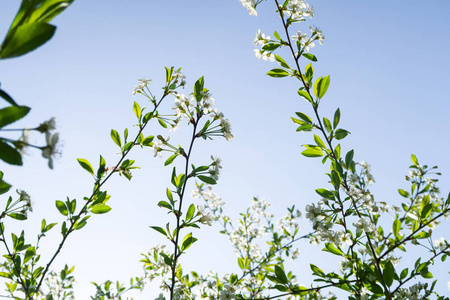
(281, 276)
(304, 117)
(396, 227)
(403, 193)
(349, 158)
(159, 229)
(309, 56)
(312, 152)
(278, 73)
(170, 159)
(270, 46)
(86, 165)
(305, 128)
(198, 88)
(276, 35)
(100, 209)
(137, 110)
(116, 137)
(165, 205)
(388, 273)
(7, 97)
(341, 133)
(18, 216)
(282, 62)
(187, 241)
(190, 212)
(403, 274)
(325, 193)
(26, 38)
(327, 124)
(319, 142)
(414, 159)
(162, 123)
(206, 179)
(305, 95)
(101, 168)
(11, 114)
(332, 249)
(10, 155)
(322, 86)
(337, 117)
(61, 206)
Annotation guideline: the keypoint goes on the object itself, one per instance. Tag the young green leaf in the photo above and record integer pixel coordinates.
(278, 73)
(116, 137)
(305, 95)
(61, 206)
(100, 209)
(310, 56)
(86, 165)
(337, 117)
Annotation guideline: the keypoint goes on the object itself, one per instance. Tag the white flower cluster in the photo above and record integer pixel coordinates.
(214, 168)
(49, 151)
(289, 223)
(154, 262)
(205, 217)
(298, 10)
(142, 83)
(260, 40)
(60, 289)
(225, 125)
(213, 200)
(227, 293)
(364, 224)
(411, 293)
(250, 5)
(440, 244)
(25, 199)
(158, 145)
(183, 106)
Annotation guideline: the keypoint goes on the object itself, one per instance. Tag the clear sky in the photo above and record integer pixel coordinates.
(388, 62)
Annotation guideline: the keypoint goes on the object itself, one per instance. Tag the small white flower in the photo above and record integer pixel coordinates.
(440, 244)
(50, 150)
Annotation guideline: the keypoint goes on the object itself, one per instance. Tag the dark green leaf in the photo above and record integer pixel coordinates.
(341, 133)
(281, 276)
(327, 194)
(159, 229)
(18, 216)
(309, 56)
(10, 155)
(8, 98)
(164, 204)
(11, 114)
(388, 273)
(206, 179)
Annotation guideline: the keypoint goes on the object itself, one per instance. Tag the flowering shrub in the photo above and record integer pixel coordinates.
(369, 237)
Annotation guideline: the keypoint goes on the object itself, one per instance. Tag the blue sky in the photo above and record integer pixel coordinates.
(388, 63)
